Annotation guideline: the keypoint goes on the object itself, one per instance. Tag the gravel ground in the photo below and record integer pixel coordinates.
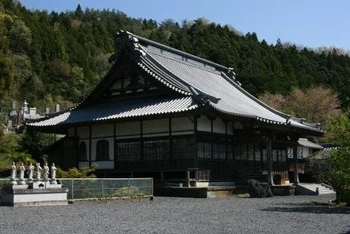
(294, 214)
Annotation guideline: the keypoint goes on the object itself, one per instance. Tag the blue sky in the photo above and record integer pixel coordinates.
(311, 23)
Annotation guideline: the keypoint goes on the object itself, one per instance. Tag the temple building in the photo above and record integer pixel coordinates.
(170, 115)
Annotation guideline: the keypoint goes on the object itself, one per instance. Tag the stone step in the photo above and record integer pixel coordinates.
(312, 188)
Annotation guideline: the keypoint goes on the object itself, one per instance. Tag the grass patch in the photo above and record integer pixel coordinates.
(330, 203)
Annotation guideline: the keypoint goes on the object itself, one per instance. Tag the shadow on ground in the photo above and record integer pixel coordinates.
(309, 208)
(348, 232)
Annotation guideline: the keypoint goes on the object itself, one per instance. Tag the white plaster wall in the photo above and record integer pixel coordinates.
(181, 124)
(37, 197)
(238, 125)
(83, 132)
(117, 84)
(155, 126)
(71, 132)
(111, 148)
(204, 124)
(219, 126)
(105, 130)
(131, 128)
(104, 164)
(229, 128)
(83, 164)
(127, 81)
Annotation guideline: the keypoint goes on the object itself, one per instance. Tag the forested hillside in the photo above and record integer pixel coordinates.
(50, 57)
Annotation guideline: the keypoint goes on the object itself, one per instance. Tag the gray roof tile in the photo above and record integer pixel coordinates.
(121, 109)
(186, 74)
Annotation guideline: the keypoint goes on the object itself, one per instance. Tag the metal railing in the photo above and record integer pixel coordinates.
(89, 188)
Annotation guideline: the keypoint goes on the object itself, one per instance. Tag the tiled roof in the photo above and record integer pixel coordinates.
(305, 142)
(199, 81)
(120, 109)
(180, 73)
(326, 152)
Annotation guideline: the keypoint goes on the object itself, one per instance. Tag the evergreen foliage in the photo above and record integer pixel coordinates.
(50, 57)
(334, 169)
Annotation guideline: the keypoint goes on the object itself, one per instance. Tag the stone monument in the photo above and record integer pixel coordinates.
(30, 173)
(23, 191)
(22, 169)
(13, 173)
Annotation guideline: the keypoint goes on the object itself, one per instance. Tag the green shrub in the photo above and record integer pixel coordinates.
(131, 191)
(345, 195)
(86, 172)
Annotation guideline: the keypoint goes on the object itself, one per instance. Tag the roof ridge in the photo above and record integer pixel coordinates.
(176, 51)
(183, 62)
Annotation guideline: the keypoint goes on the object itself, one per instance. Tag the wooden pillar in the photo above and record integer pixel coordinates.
(295, 159)
(269, 161)
(195, 128)
(141, 141)
(90, 144)
(212, 132)
(115, 144)
(162, 176)
(188, 177)
(170, 141)
(226, 141)
(78, 157)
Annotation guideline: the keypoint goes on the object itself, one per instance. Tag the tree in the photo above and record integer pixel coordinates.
(316, 104)
(35, 143)
(337, 170)
(276, 101)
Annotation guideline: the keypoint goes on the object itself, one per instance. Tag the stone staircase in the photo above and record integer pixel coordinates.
(310, 189)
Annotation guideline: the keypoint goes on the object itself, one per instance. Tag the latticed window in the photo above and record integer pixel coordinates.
(102, 150)
(289, 152)
(156, 150)
(283, 155)
(257, 152)
(219, 151)
(204, 150)
(237, 152)
(182, 148)
(264, 154)
(229, 151)
(83, 151)
(244, 151)
(251, 152)
(128, 151)
(300, 152)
